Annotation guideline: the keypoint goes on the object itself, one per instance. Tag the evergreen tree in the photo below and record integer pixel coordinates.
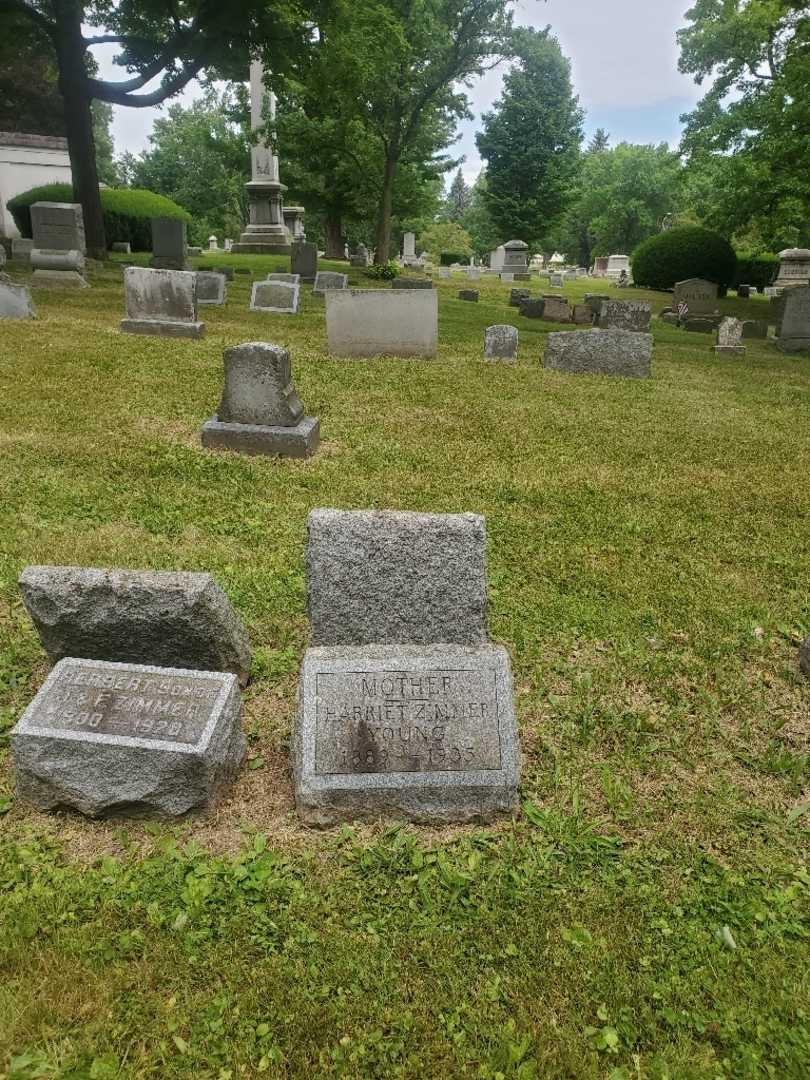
(600, 140)
(458, 198)
(531, 140)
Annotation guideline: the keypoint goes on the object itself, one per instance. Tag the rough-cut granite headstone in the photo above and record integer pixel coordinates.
(729, 338)
(304, 261)
(411, 283)
(260, 412)
(500, 342)
(557, 309)
(533, 309)
(211, 288)
(793, 325)
(390, 577)
(518, 297)
(129, 740)
(755, 328)
(405, 709)
(600, 352)
(161, 302)
(15, 302)
(326, 280)
(620, 315)
(582, 315)
(278, 297)
(469, 294)
(382, 322)
(137, 616)
(169, 245)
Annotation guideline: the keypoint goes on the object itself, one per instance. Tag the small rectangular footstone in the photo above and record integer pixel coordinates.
(426, 733)
(163, 328)
(129, 740)
(300, 441)
(600, 352)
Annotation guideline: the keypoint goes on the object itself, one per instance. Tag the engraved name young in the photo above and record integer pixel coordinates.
(406, 721)
(163, 707)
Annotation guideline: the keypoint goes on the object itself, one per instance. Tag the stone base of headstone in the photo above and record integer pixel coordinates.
(162, 328)
(793, 345)
(421, 732)
(411, 283)
(705, 325)
(300, 441)
(729, 350)
(59, 279)
(582, 315)
(670, 317)
(156, 263)
(253, 244)
(129, 740)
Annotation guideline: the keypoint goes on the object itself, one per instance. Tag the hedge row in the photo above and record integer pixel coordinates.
(759, 270)
(128, 212)
(685, 252)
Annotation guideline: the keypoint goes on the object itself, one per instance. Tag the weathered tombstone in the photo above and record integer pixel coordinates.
(278, 297)
(411, 283)
(469, 294)
(703, 324)
(372, 322)
(409, 248)
(595, 301)
(516, 257)
(57, 255)
(700, 295)
(129, 740)
(260, 412)
(161, 302)
(533, 308)
(137, 616)
(600, 352)
(15, 302)
(582, 315)
(360, 257)
(228, 243)
(793, 325)
(507, 276)
(211, 288)
(212, 244)
(557, 309)
(122, 247)
(518, 297)
(169, 245)
(729, 338)
(619, 315)
(500, 342)
(326, 280)
(555, 281)
(755, 328)
(405, 707)
(618, 265)
(444, 272)
(743, 291)
(794, 267)
(21, 249)
(304, 260)
(279, 275)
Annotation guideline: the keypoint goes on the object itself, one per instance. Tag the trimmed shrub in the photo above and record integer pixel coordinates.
(447, 258)
(759, 270)
(128, 212)
(385, 272)
(681, 253)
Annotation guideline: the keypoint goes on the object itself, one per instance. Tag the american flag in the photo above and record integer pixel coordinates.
(683, 309)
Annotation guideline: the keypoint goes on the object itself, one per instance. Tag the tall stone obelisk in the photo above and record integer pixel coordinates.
(266, 233)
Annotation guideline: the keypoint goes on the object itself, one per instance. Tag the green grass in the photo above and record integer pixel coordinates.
(645, 915)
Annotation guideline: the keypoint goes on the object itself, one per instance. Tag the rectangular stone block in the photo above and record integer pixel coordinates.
(426, 733)
(277, 297)
(600, 352)
(280, 275)
(582, 315)
(169, 245)
(21, 249)
(698, 294)
(518, 297)
(304, 261)
(411, 283)
(58, 226)
(390, 322)
(299, 441)
(128, 740)
(533, 309)
(620, 315)
(327, 281)
(211, 288)
(15, 302)
(161, 302)
(793, 319)
(755, 328)
(163, 328)
(557, 309)
(390, 577)
(469, 294)
(501, 343)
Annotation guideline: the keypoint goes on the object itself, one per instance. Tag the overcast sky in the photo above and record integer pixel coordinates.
(624, 59)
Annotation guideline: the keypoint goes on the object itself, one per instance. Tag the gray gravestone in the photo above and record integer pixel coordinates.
(129, 740)
(139, 616)
(557, 309)
(600, 352)
(702, 324)
(211, 288)
(555, 281)
(516, 257)
(582, 315)
(411, 283)
(729, 338)
(507, 277)
(15, 302)
(260, 412)
(228, 272)
(161, 302)
(278, 297)
(404, 707)
(595, 301)
(304, 261)
(793, 325)
(21, 249)
(518, 297)
(700, 295)
(469, 294)
(533, 309)
(57, 255)
(169, 245)
(289, 279)
(755, 328)
(382, 322)
(121, 247)
(326, 280)
(620, 315)
(500, 342)
(743, 291)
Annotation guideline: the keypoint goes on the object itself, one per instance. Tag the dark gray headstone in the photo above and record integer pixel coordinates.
(128, 740)
(500, 343)
(211, 288)
(518, 297)
(793, 326)
(58, 226)
(700, 295)
(557, 309)
(169, 246)
(755, 328)
(600, 352)
(304, 261)
(280, 297)
(533, 309)
(328, 279)
(621, 315)
(161, 302)
(469, 294)
(411, 283)
(180, 619)
(582, 315)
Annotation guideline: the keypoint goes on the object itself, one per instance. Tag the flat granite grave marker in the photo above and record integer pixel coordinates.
(600, 352)
(211, 288)
(411, 283)
(139, 616)
(500, 342)
(161, 303)
(278, 297)
(328, 281)
(382, 322)
(15, 302)
(280, 275)
(129, 740)
(405, 708)
(260, 412)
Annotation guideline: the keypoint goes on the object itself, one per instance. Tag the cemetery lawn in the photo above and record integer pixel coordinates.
(647, 912)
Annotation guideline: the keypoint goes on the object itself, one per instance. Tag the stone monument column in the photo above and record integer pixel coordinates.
(266, 232)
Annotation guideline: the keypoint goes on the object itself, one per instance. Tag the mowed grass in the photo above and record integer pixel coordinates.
(647, 912)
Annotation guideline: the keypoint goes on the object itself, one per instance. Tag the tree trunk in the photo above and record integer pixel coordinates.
(73, 85)
(335, 240)
(383, 236)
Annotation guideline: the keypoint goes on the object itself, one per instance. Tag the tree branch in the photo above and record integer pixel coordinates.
(31, 13)
(115, 95)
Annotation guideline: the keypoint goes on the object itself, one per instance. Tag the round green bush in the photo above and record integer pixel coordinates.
(689, 251)
(759, 270)
(128, 212)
